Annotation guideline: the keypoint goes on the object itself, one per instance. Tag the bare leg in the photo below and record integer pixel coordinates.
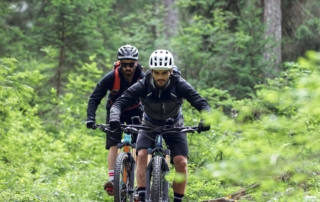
(141, 168)
(180, 164)
(112, 156)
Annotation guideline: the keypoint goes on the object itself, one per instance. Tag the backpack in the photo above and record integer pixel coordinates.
(176, 70)
(116, 83)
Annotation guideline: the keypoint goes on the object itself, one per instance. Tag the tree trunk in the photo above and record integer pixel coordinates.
(61, 57)
(272, 19)
(171, 21)
(59, 80)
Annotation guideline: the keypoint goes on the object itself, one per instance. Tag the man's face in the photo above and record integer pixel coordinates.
(161, 77)
(128, 68)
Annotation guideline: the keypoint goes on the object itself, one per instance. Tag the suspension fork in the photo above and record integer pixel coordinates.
(148, 174)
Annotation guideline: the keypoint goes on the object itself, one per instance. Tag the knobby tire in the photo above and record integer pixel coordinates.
(157, 180)
(122, 166)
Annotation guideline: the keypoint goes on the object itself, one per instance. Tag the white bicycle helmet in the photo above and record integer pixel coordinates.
(128, 52)
(161, 60)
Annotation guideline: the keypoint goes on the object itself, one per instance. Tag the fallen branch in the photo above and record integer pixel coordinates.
(243, 192)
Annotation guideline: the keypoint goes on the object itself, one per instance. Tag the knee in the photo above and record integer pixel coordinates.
(113, 148)
(180, 163)
(142, 155)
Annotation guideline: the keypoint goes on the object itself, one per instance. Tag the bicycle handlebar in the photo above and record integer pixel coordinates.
(161, 129)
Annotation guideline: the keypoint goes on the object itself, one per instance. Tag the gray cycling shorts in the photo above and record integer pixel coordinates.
(176, 142)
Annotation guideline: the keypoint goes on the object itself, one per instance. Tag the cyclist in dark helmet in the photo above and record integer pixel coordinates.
(162, 92)
(128, 73)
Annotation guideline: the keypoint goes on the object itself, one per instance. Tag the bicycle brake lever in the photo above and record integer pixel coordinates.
(131, 130)
(104, 130)
(187, 131)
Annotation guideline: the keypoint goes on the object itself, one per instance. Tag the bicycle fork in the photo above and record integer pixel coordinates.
(131, 188)
(165, 170)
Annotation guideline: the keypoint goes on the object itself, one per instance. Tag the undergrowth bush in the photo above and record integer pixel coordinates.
(270, 139)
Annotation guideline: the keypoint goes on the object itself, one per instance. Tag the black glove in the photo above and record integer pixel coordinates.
(203, 126)
(91, 124)
(114, 125)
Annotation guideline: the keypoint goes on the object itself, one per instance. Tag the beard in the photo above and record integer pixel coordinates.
(127, 74)
(161, 83)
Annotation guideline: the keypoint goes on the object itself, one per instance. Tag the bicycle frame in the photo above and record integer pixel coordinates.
(126, 150)
(126, 145)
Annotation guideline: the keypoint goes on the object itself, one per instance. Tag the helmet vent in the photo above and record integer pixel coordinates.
(128, 52)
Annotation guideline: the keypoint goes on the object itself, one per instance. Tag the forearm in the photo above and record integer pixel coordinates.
(204, 106)
(91, 110)
(95, 99)
(128, 98)
(115, 113)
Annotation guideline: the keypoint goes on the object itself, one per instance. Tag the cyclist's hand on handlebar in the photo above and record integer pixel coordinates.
(91, 124)
(114, 124)
(203, 126)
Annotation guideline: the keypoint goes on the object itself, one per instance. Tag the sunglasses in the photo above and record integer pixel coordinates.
(131, 64)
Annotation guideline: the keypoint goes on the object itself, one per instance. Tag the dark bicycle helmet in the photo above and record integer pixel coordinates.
(128, 52)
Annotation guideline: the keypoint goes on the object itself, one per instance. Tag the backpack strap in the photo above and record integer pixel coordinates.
(173, 93)
(116, 83)
(129, 108)
(149, 93)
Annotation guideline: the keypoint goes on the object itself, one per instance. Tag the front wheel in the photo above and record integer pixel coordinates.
(122, 176)
(157, 180)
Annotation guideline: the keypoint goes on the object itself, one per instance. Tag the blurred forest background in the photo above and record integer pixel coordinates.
(255, 61)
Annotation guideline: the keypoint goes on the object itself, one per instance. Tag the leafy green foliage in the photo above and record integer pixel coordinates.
(38, 163)
(300, 25)
(262, 130)
(222, 47)
(13, 93)
(11, 43)
(273, 139)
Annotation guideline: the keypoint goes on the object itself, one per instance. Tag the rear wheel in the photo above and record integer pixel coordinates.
(122, 176)
(157, 180)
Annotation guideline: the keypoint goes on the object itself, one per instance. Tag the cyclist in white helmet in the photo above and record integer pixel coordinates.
(161, 92)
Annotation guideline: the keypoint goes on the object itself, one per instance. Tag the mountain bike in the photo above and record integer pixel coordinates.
(157, 186)
(124, 169)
